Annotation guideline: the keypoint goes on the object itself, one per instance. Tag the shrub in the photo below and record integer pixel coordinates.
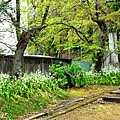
(71, 75)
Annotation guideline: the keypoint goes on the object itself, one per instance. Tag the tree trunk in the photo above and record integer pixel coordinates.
(23, 42)
(100, 54)
(119, 60)
(18, 57)
(103, 27)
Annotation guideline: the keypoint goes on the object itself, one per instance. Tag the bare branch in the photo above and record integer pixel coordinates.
(11, 17)
(109, 54)
(6, 13)
(7, 1)
(7, 45)
(6, 31)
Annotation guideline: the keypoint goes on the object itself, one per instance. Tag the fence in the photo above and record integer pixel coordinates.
(31, 63)
(85, 65)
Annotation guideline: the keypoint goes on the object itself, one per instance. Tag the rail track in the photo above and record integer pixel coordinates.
(66, 106)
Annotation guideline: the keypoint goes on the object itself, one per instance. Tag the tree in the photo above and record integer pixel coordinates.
(23, 36)
(87, 23)
(68, 25)
(62, 31)
(23, 42)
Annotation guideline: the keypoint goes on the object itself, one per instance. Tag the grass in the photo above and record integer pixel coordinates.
(93, 111)
(107, 111)
(13, 109)
(91, 90)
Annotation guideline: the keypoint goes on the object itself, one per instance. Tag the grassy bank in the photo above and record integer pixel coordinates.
(29, 93)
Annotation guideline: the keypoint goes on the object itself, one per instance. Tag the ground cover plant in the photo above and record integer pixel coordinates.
(79, 78)
(107, 76)
(27, 94)
(68, 76)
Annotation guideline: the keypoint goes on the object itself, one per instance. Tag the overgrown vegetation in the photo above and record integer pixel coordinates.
(27, 94)
(78, 77)
(32, 92)
(71, 75)
(107, 76)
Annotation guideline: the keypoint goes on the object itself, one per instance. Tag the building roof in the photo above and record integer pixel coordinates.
(38, 56)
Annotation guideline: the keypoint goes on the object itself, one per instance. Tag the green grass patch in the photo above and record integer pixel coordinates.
(32, 92)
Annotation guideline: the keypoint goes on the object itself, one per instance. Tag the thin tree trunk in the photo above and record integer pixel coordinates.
(119, 60)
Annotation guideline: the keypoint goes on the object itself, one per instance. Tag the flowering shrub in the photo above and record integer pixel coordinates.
(27, 86)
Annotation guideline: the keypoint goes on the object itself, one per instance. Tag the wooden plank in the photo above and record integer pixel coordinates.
(112, 98)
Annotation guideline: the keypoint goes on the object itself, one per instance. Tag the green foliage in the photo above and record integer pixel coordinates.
(58, 72)
(31, 92)
(27, 94)
(77, 74)
(71, 27)
(71, 75)
(80, 78)
(109, 76)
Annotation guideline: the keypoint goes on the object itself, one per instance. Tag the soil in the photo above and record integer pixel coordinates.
(98, 110)
(106, 111)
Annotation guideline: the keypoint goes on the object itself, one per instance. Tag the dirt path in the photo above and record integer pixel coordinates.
(106, 111)
(99, 110)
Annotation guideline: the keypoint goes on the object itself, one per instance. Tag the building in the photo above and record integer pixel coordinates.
(31, 63)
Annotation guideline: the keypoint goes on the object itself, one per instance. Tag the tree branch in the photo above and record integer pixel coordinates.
(36, 30)
(6, 31)
(11, 17)
(7, 45)
(78, 32)
(45, 15)
(8, 1)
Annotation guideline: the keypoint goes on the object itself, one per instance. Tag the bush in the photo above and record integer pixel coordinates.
(71, 75)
